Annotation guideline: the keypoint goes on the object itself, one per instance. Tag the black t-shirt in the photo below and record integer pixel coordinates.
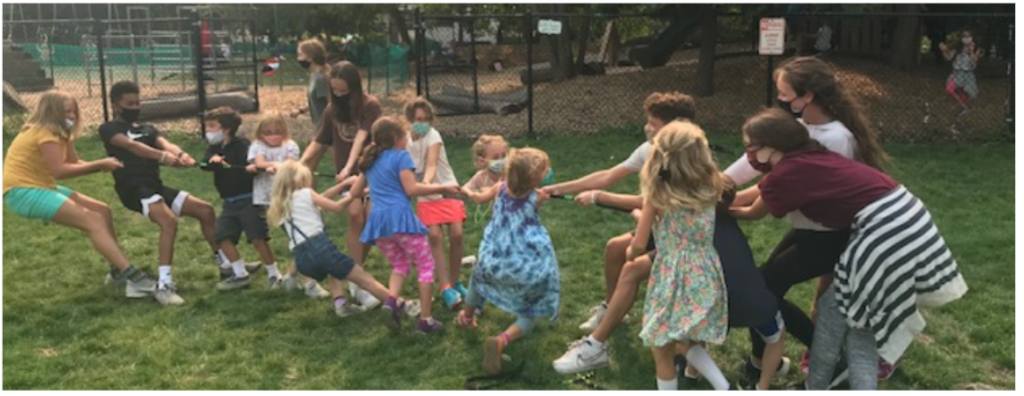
(234, 181)
(136, 170)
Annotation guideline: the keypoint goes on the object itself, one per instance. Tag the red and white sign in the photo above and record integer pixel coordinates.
(773, 36)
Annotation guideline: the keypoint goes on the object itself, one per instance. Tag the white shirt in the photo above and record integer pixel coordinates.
(635, 162)
(419, 149)
(263, 185)
(305, 215)
(833, 135)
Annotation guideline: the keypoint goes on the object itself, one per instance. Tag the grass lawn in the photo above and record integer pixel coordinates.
(64, 330)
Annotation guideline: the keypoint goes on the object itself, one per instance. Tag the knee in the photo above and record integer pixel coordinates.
(207, 214)
(455, 237)
(435, 236)
(618, 244)
(634, 272)
(166, 222)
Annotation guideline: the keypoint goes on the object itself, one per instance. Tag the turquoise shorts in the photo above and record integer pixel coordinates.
(37, 203)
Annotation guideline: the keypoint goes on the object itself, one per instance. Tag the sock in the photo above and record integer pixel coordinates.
(446, 286)
(339, 301)
(239, 268)
(272, 270)
(701, 360)
(668, 385)
(165, 274)
(223, 259)
(594, 341)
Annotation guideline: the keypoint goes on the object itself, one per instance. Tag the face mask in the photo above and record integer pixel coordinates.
(273, 140)
(966, 40)
(130, 115)
(215, 137)
(788, 106)
(548, 178)
(69, 123)
(763, 167)
(496, 166)
(420, 128)
(305, 64)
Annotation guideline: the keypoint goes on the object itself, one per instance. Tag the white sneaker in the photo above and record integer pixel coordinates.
(367, 300)
(167, 294)
(347, 310)
(315, 291)
(583, 355)
(595, 319)
(144, 287)
(412, 308)
(468, 261)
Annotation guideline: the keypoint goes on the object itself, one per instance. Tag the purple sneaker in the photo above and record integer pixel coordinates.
(428, 325)
(393, 313)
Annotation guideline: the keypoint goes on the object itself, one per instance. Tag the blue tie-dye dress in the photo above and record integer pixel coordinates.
(517, 270)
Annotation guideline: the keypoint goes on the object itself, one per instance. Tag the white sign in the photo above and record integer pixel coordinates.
(549, 26)
(773, 36)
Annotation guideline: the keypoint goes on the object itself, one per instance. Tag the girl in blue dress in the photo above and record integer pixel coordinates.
(516, 268)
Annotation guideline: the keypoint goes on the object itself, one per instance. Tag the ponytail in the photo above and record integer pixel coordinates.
(368, 157)
(386, 131)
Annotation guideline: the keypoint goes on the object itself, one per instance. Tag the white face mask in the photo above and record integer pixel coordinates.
(70, 123)
(215, 137)
(966, 40)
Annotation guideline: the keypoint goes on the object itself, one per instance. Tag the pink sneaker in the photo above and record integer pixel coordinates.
(805, 363)
(886, 370)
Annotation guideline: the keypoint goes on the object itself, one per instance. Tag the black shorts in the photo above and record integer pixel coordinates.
(137, 197)
(239, 216)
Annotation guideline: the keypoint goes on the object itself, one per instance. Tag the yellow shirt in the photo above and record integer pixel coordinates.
(24, 165)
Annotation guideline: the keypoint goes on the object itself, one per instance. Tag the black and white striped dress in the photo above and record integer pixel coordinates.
(895, 261)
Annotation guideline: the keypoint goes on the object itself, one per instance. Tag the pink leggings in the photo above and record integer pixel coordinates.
(402, 249)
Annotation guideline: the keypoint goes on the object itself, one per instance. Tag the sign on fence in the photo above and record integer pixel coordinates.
(549, 26)
(773, 36)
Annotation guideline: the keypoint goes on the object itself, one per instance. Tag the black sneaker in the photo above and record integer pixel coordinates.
(752, 375)
(685, 380)
(226, 273)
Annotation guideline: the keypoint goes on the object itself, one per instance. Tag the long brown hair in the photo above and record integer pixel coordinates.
(810, 74)
(315, 51)
(778, 129)
(386, 132)
(352, 113)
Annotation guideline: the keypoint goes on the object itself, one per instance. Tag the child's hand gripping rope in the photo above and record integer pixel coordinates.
(252, 168)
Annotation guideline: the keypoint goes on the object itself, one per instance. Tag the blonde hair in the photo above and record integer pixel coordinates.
(420, 103)
(271, 119)
(680, 172)
(485, 141)
(291, 177)
(50, 115)
(525, 170)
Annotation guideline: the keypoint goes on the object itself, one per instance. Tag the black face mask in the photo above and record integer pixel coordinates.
(788, 106)
(305, 64)
(130, 115)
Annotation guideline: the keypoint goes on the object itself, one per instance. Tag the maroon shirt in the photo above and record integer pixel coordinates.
(828, 188)
(341, 137)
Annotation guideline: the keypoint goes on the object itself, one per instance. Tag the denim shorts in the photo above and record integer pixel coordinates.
(318, 257)
(35, 202)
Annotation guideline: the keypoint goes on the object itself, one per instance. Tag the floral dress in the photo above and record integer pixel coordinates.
(517, 270)
(686, 295)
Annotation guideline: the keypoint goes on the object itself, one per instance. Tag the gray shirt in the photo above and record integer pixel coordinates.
(316, 95)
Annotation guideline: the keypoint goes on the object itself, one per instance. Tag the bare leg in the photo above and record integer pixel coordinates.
(263, 248)
(664, 363)
(426, 293)
(162, 215)
(202, 211)
(614, 259)
(230, 250)
(366, 281)
(98, 207)
(772, 353)
(454, 251)
(75, 216)
(634, 272)
(436, 239)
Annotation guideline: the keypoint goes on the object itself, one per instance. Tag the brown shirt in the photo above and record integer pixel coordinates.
(341, 136)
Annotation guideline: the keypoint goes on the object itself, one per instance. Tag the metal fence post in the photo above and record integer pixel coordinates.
(49, 57)
(528, 30)
(1009, 88)
(197, 32)
(472, 62)
(418, 23)
(102, 65)
(255, 67)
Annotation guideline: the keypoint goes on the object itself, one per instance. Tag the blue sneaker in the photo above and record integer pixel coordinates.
(461, 289)
(451, 298)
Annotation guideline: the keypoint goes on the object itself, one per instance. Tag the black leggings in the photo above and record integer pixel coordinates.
(800, 256)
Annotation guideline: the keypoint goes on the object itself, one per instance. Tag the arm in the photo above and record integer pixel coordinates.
(430, 169)
(756, 211)
(143, 151)
(314, 152)
(414, 189)
(643, 231)
(71, 156)
(61, 169)
(747, 197)
(330, 205)
(337, 189)
(353, 155)
(484, 196)
(183, 157)
(594, 181)
(598, 197)
(947, 52)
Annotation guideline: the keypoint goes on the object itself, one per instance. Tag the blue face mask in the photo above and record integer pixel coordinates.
(496, 166)
(420, 128)
(548, 178)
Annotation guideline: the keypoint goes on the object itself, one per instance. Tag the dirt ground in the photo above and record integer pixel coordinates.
(906, 106)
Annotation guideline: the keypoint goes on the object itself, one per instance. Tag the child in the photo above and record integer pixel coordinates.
(388, 170)
(869, 315)
(44, 151)
(488, 153)
(517, 271)
(234, 184)
(296, 208)
(686, 294)
(312, 55)
(142, 150)
(961, 84)
(274, 146)
(431, 159)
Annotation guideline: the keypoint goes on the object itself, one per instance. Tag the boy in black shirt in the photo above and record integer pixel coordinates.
(142, 150)
(227, 158)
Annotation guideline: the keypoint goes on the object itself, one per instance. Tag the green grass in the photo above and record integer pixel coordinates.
(64, 330)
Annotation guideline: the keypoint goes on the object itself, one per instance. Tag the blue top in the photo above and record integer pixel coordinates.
(391, 212)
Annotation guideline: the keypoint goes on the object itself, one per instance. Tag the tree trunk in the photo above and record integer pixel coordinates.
(906, 39)
(581, 59)
(705, 85)
(398, 24)
(561, 48)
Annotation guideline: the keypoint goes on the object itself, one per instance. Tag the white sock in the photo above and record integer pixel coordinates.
(239, 268)
(594, 341)
(668, 385)
(224, 262)
(701, 360)
(272, 270)
(165, 274)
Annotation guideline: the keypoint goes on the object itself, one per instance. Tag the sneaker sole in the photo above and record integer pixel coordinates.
(492, 356)
(577, 370)
(229, 287)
